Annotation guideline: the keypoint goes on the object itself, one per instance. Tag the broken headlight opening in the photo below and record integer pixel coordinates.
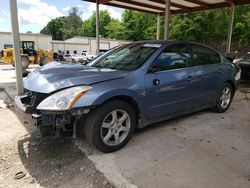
(63, 100)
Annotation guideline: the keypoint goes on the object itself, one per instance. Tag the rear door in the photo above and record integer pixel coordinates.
(170, 87)
(208, 73)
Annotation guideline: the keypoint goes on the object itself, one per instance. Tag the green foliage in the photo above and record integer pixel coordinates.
(138, 26)
(115, 30)
(64, 27)
(209, 27)
(55, 27)
(88, 28)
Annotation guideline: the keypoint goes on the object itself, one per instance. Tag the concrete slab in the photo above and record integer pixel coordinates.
(8, 78)
(204, 149)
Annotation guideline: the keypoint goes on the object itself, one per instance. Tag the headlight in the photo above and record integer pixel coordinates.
(238, 75)
(63, 100)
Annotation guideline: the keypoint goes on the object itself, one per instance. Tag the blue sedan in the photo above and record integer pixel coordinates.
(128, 87)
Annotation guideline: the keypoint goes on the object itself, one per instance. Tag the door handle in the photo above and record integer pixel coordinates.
(220, 71)
(156, 82)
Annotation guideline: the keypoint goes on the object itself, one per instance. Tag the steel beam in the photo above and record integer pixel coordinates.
(230, 29)
(166, 20)
(16, 46)
(158, 27)
(97, 29)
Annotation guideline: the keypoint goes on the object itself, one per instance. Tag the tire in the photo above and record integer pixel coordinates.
(101, 125)
(25, 62)
(224, 100)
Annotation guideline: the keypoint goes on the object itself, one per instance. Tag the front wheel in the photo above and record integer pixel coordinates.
(25, 62)
(110, 126)
(225, 98)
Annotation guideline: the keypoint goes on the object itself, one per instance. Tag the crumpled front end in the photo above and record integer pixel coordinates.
(49, 122)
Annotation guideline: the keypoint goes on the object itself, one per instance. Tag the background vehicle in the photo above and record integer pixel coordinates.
(244, 63)
(129, 87)
(28, 55)
(88, 56)
(74, 58)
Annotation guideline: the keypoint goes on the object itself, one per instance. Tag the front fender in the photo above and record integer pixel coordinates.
(104, 91)
(93, 98)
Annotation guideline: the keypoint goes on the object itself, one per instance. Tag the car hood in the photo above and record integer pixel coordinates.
(55, 76)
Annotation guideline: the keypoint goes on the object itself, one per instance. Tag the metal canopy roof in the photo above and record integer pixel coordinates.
(176, 6)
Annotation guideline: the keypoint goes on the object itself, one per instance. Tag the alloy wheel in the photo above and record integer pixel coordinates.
(115, 127)
(225, 97)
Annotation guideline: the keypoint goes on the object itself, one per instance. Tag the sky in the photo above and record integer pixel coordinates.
(33, 15)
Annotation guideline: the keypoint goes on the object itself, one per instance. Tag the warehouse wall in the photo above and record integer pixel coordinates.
(80, 44)
(74, 44)
(41, 41)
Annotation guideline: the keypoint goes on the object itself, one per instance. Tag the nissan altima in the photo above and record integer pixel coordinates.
(128, 87)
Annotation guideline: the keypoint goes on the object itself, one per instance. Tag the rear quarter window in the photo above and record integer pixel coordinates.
(204, 56)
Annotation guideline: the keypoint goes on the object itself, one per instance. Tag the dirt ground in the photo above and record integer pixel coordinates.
(48, 162)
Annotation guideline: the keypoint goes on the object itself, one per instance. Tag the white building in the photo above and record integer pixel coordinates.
(72, 45)
(77, 45)
(41, 41)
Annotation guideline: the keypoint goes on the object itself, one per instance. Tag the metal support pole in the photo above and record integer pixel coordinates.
(166, 20)
(97, 28)
(158, 27)
(230, 29)
(16, 43)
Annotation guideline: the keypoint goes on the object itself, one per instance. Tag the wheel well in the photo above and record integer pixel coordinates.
(231, 83)
(128, 100)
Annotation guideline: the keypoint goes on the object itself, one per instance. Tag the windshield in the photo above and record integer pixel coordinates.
(128, 57)
(27, 44)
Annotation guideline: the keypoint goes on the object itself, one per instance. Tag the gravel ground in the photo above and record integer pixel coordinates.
(48, 162)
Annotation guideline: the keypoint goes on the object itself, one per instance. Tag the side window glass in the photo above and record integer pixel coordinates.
(173, 57)
(204, 56)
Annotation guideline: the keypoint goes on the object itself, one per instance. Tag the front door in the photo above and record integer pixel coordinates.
(171, 86)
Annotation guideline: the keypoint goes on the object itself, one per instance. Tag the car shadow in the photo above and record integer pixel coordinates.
(172, 121)
(55, 161)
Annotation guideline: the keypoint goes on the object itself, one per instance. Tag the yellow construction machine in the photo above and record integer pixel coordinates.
(28, 55)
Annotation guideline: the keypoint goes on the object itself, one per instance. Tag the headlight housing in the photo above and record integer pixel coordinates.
(238, 75)
(63, 100)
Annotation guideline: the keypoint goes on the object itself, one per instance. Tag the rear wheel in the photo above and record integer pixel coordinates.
(110, 126)
(224, 99)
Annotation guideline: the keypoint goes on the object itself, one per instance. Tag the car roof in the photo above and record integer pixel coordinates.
(163, 42)
(167, 41)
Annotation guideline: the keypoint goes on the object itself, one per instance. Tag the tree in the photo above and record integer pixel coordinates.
(209, 27)
(64, 27)
(73, 20)
(88, 28)
(115, 30)
(138, 25)
(55, 27)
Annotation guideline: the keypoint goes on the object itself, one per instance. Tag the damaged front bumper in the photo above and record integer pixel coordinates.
(50, 123)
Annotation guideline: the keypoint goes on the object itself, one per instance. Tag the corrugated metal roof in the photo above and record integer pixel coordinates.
(177, 6)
